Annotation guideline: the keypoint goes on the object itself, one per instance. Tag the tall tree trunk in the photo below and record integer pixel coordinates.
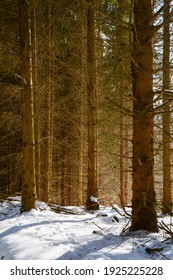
(36, 98)
(167, 200)
(143, 202)
(80, 179)
(81, 150)
(49, 124)
(122, 161)
(123, 85)
(92, 188)
(28, 143)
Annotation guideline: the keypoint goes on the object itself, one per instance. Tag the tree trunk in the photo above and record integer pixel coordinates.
(28, 144)
(123, 190)
(64, 171)
(49, 124)
(167, 200)
(122, 36)
(143, 202)
(81, 150)
(92, 188)
(36, 98)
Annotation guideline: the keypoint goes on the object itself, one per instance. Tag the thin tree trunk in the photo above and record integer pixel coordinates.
(167, 200)
(92, 188)
(82, 99)
(28, 143)
(123, 55)
(36, 99)
(49, 125)
(64, 172)
(70, 181)
(143, 202)
(122, 186)
(81, 152)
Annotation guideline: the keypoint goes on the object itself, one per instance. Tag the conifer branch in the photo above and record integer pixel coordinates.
(159, 11)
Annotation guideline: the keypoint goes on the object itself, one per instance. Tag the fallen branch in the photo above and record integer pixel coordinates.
(97, 226)
(61, 209)
(166, 228)
(125, 214)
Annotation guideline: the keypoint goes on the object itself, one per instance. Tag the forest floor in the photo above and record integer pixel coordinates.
(76, 234)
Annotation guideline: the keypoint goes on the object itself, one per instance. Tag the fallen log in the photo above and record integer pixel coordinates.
(61, 209)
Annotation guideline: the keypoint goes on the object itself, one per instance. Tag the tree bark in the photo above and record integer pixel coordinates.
(28, 143)
(80, 179)
(49, 113)
(64, 171)
(92, 188)
(36, 97)
(167, 199)
(143, 201)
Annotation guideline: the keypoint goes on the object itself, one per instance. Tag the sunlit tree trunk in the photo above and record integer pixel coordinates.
(35, 96)
(122, 161)
(143, 202)
(28, 143)
(64, 192)
(81, 151)
(92, 188)
(167, 200)
(70, 183)
(123, 85)
(80, 179)
(49, 120)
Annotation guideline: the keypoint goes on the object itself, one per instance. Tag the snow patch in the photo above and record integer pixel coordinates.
(93, 199)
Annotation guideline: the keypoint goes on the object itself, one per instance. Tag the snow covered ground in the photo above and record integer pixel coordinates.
(45, 235)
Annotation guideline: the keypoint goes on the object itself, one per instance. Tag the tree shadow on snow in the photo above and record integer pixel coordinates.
(112, 246)
(17, 228)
